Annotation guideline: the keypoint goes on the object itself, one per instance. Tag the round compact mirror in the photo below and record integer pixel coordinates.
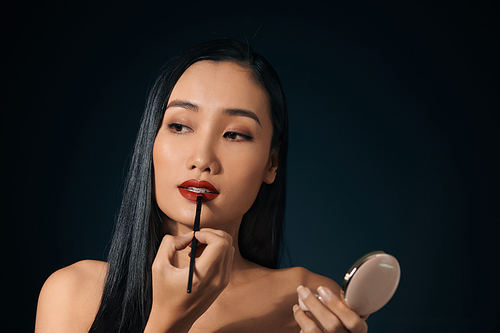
(370, 283)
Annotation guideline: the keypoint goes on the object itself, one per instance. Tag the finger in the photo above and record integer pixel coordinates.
(218, 247)
(306, 324)
(350, 319)
(327, 319)
(217, 232)
(214, 241)
(202, 244)
(219, 271)
(200, 247)
(172, 244)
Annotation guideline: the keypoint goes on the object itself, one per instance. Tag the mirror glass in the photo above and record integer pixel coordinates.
(371, 282)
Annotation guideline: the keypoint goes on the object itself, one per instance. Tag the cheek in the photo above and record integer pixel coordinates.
(247, 175)
(164, 159)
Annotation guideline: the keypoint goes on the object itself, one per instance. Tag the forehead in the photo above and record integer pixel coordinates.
(223, 84)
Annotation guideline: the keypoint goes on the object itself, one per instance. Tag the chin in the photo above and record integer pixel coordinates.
(215, 214)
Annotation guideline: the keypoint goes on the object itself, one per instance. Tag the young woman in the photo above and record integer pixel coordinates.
(215, 121)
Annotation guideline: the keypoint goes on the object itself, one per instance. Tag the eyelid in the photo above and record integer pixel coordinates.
(186, 129)
(244, 137)
(174, 124)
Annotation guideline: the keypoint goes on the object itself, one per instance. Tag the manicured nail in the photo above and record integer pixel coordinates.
(189, 234)
(325, 293)
(303, 292)
(295, 308)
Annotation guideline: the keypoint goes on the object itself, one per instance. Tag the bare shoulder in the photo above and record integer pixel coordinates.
(79, 278)
(70, 297)
(278, 287)
(302, 276)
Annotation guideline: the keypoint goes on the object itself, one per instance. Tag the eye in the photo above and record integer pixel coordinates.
(179, 128)
(234, 136)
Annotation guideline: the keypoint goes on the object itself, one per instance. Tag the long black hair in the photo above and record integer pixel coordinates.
(127, 296)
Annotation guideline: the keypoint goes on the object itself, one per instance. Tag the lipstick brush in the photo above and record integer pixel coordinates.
(194, 244)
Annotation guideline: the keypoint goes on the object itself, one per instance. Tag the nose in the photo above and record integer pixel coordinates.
(204, 158)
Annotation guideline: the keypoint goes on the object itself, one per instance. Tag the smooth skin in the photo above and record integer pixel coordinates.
(216, 128)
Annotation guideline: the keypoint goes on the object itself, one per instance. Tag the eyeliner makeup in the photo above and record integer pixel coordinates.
(194, 244)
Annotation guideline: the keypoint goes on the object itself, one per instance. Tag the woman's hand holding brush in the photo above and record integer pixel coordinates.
(173, 309)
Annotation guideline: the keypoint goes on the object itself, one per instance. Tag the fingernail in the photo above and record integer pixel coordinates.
(325, 293)
(303, 292)
(295, 308)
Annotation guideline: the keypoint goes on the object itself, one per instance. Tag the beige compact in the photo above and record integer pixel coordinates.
(369, 284)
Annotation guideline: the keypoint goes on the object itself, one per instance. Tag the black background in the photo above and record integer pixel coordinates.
(394, 138)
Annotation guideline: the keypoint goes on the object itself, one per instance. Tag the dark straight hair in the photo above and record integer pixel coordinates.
(127, 296)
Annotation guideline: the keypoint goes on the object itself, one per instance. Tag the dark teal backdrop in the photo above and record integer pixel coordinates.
(394, 138)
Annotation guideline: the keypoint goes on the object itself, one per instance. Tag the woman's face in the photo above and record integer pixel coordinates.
(217, 128)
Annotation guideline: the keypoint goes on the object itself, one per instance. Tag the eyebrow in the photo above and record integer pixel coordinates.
(229, 112)
(183, 104)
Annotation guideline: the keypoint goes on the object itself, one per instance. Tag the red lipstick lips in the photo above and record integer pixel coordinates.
(192, 188)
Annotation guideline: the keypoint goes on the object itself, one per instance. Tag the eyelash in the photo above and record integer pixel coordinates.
(231, 135)
(245, 137)
(175, 126)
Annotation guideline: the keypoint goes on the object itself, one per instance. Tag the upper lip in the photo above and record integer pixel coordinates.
(199, 184)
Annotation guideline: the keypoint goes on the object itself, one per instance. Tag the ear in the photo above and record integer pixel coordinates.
(272, 167)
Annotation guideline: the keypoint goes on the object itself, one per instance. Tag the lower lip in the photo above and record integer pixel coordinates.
(191, 196)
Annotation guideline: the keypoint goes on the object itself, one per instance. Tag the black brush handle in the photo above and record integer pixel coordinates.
(194, 244)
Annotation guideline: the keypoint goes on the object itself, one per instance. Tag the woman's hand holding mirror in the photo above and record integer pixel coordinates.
(368, 285)
(329, 313)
